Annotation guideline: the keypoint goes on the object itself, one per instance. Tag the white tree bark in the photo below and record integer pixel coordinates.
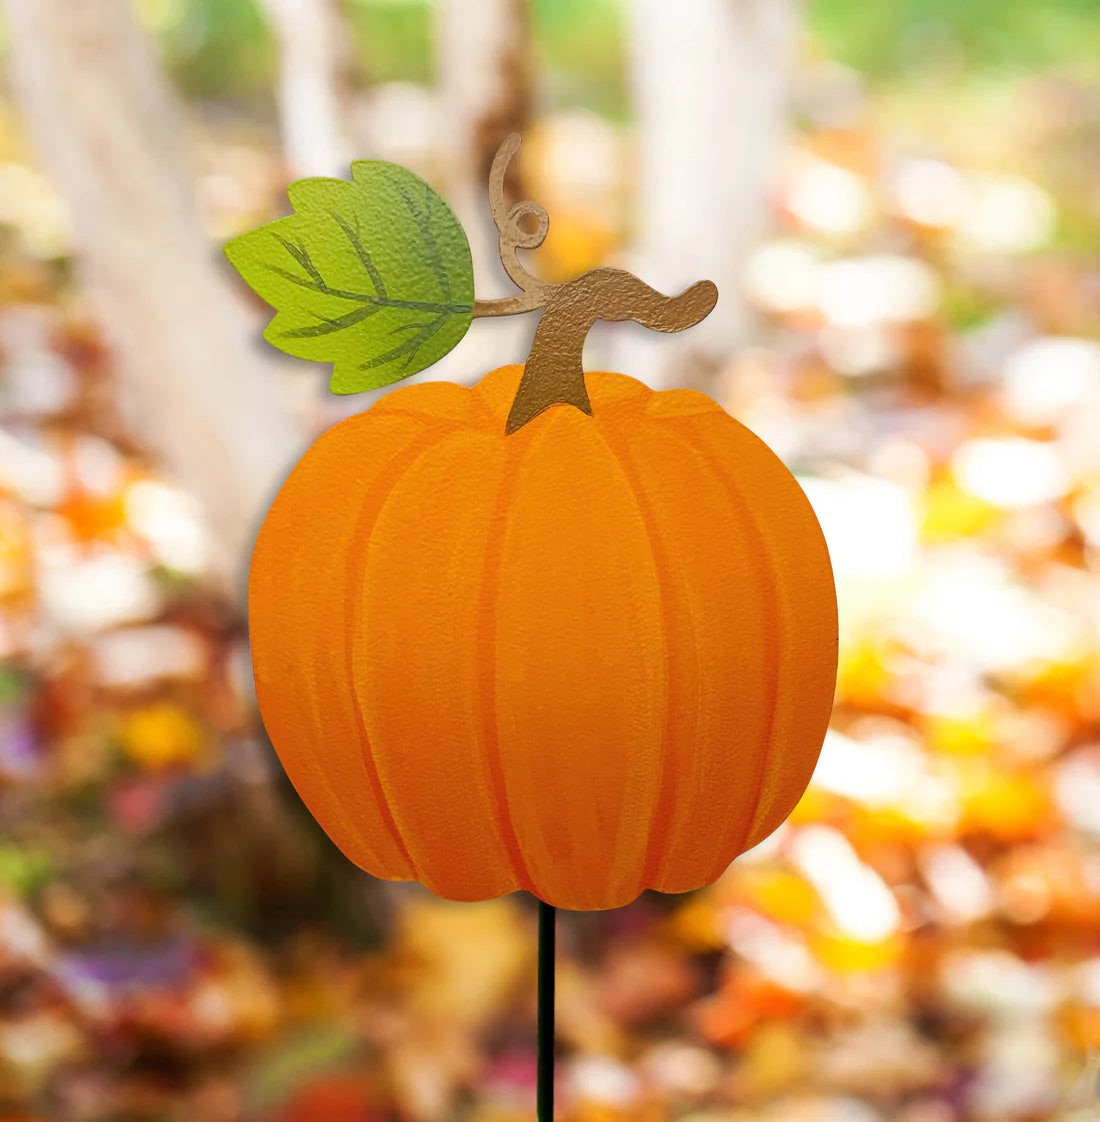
(194, 389)
(313, 44)
(710, 83)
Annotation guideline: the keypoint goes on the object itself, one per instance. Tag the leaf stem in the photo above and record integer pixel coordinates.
(509, 305)
(534, 293)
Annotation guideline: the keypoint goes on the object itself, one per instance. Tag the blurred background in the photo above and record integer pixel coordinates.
(900, 204)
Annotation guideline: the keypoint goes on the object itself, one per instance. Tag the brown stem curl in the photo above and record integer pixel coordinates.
(553, 373)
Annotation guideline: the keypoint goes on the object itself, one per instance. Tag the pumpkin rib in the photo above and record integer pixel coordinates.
(731, 486)
(660, 823)
(676, 870)
(769, 822)
(361, 837)
(434, 402)
(484, 411)
(372, 504)
(424, 418)
(419, 580)
(805, 595)
(793, 596)
(366, 852)
(627, 402)
(378, 794)
(764, 824)
(584, 836)
(486, 661)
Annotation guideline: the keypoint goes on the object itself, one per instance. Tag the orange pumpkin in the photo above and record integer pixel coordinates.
(591, 657)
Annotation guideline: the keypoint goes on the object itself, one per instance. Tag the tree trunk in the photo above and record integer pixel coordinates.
(484, 75)
(710, 83)
(315, 63)
(193, 388)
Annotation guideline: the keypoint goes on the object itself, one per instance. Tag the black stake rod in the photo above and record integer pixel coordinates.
(545, 1076)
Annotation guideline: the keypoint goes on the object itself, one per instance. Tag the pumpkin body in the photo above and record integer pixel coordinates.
(592, 657)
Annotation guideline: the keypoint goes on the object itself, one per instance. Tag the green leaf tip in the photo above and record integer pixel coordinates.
(372, 274)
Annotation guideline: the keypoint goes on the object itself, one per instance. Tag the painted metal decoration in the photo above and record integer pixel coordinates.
(554, 632)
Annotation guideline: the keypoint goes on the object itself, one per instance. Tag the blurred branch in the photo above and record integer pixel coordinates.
(710, 84)
(314, 52)
(107, 126)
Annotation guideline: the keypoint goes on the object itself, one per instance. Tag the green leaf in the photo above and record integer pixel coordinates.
(373, 275)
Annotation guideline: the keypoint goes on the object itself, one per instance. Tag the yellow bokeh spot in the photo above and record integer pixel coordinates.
(162, 735)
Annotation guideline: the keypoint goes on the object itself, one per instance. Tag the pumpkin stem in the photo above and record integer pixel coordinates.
(553, 374)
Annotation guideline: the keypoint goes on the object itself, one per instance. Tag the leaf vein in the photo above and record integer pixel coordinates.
(330, 326)
(427, 234)
(361, 251)
(408, 350)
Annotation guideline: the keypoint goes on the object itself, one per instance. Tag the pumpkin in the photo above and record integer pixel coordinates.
(556, 632)
(587, 657)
